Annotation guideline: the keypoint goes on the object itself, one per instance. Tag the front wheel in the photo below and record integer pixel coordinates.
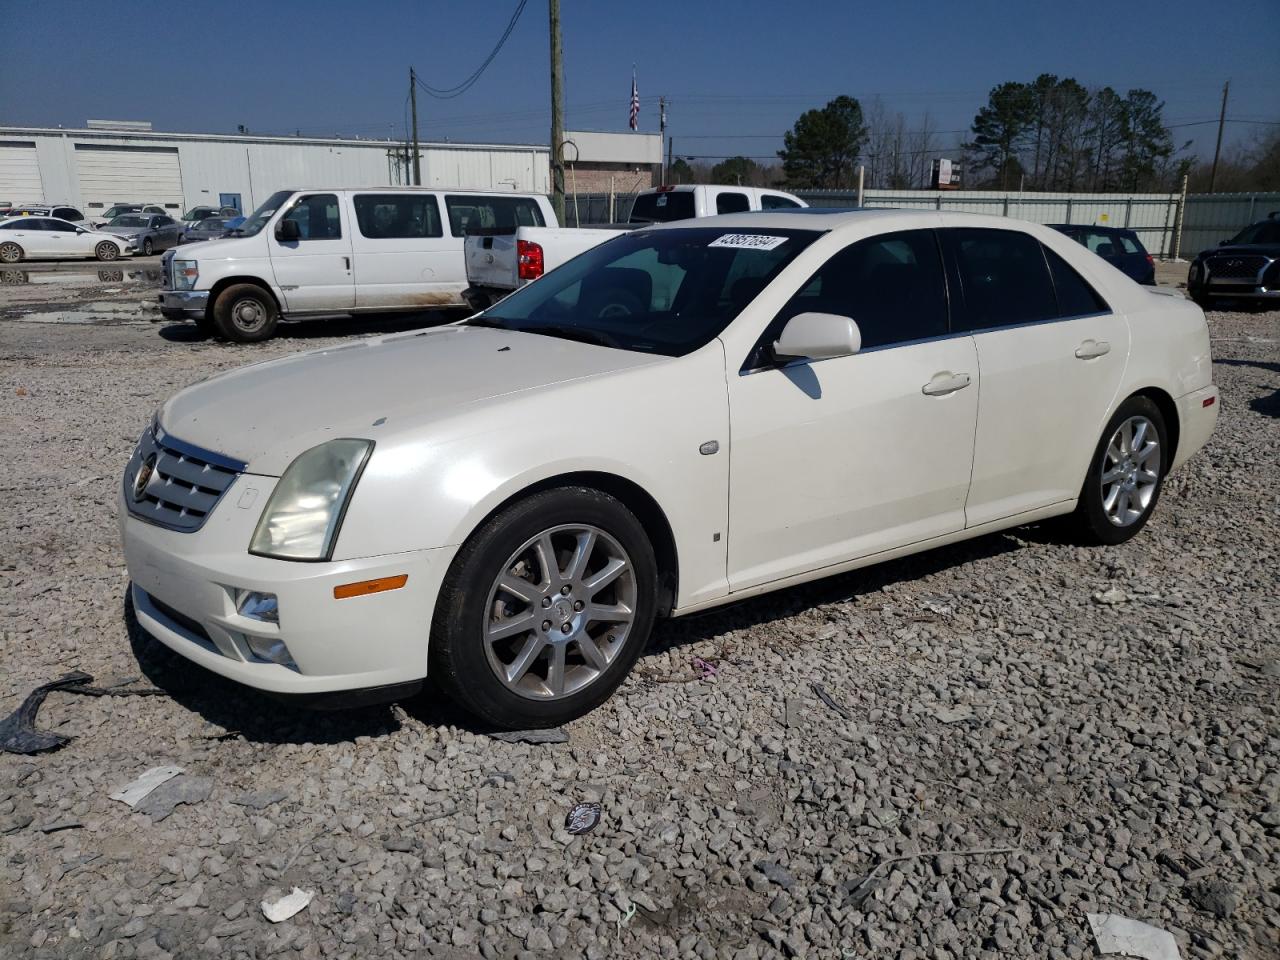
(10, 253)
(545, 609)
(148, 247)
(106, 251)
(245, 313)
(1125, 475)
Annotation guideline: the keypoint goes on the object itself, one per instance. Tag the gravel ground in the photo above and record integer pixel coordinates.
(1006, 734)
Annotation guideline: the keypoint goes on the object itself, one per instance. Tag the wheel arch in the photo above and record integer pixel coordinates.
(216, 291)
(636, 499)
(1169, 411)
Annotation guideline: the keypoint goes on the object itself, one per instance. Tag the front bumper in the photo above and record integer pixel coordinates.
(1195, 422)
(184, 304)
(186, 588)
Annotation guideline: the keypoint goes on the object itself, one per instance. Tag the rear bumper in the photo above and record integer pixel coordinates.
(184, 304)
(1195, 422)
(483, 297)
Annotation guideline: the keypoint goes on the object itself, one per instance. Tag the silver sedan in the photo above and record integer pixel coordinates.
(149, 232)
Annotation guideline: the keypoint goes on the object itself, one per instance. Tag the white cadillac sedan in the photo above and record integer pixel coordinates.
(684, 416)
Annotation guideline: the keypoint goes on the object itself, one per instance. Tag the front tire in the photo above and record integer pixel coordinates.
(1125, 475)
(148, 247)
(545, 609)
(10, 252)
(245, 313)
(106, 251)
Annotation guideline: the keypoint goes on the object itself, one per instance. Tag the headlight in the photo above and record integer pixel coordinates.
(185, 274)
(302, 518)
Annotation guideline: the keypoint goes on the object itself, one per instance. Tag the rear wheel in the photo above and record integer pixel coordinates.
(148, 247)
(10, 252)
(245, 313)
(106, 251)
(545, 609)
(1125, 476)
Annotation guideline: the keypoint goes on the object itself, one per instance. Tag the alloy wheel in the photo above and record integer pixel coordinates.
(560, 611)
(10, 253)
(1130, 471)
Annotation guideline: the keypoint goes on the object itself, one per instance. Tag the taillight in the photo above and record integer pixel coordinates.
(1151, 261)
(528, 260)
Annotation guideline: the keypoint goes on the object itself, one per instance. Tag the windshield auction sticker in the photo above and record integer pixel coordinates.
(747, 241)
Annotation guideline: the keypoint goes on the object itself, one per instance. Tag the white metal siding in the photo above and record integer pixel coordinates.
(19, 173)
(111, 175)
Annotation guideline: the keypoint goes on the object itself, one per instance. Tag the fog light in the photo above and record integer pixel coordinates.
(270, 649)
(260, 606)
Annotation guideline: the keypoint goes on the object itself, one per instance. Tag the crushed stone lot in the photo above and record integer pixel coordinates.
(960, 754)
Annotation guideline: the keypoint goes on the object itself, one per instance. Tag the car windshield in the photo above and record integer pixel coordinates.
(209, 225)
(128, 221)
(197, 213)
(258, 219)
(656, 291)
(1268, 231)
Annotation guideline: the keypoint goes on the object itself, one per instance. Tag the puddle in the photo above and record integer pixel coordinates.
(87, 278)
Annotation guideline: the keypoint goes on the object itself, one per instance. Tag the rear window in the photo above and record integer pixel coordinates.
(489, 213)
(1268, 231)
(1131, 243)
(663, 207)
(732, 203)
(771, 201)
(1076, 298)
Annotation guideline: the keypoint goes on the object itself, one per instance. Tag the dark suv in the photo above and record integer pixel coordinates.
(1246, 267)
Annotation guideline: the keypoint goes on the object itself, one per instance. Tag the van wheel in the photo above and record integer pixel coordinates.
(1125, 475)
(10, 252)
(545, 610)
(245, 313)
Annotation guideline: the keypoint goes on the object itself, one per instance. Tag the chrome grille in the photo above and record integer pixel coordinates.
(1246, 267)
(183, 485)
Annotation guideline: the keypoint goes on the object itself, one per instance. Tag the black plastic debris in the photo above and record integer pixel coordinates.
(582, 818)
(554, 735)
(826, 698)
(18, 733)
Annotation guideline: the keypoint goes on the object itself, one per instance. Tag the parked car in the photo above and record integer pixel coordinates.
(507, 503)
(120, 209)
(1120, 248)
(150, 232)
(1246, 267)
(202, 213)
(235, 223)
(210, 228)
(308, 253)
(503, 256)
(22, 238)
(57, 211)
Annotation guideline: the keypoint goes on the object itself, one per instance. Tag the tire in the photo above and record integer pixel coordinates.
(245, 313)
(548, 619)
(1203, 301)
(206, 325)
(106, 251)
(148, 247)
(1115, 511)
(10, 252)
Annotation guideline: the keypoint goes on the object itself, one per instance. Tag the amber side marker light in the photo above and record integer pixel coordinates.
(366, 587)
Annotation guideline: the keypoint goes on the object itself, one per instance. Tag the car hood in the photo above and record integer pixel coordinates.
(125, 231)
(1243, 249)
(267, 413)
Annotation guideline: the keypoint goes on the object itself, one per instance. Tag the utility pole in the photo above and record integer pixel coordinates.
(1222, 118)
(557, 114)
(413, 98)
(662, 132)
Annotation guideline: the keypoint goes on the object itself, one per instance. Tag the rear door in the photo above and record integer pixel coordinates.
(402, 256)
(30, 235)
(314, 272)
(1051, 353)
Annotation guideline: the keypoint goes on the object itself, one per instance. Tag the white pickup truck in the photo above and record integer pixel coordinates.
(501, 260)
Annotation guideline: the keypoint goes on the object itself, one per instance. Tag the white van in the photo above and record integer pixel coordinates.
(331, 252)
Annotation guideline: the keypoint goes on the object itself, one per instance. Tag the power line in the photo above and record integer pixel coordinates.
(448, 93)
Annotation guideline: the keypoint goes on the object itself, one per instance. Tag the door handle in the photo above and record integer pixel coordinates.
(944, 384)
(346, 262)
(1092, 349)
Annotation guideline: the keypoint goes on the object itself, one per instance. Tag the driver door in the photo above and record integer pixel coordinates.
(314, 272)
(844, 458)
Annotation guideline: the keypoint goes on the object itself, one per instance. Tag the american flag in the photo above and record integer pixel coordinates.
(635, 103)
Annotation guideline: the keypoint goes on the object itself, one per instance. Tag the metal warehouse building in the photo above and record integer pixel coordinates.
(108, 163)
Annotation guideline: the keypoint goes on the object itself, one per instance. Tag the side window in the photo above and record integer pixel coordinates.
(479, 212)
(1004, 278)
(771, 201)
(317, 217)
(732, 203)
(892, 285)
(388, 216)
(1076, 298)
(67, 213)
(1129, 242)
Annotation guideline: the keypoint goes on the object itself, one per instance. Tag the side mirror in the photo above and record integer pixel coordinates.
(818, 336)
(287, 230)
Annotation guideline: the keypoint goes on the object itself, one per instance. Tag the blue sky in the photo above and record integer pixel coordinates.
(737, 75)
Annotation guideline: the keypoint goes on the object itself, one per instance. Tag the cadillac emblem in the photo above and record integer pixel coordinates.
(141, 478)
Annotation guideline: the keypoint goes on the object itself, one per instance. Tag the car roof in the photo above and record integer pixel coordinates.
(1088, 226)
(421, 189)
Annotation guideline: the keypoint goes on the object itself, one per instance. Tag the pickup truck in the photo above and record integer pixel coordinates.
(501, 260)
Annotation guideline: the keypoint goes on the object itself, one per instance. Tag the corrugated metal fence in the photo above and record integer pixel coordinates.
(1153, 216)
